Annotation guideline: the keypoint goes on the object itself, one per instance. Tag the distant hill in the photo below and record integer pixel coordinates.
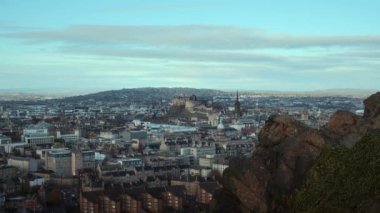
(156, 94)
(356, 93)
(139, 95)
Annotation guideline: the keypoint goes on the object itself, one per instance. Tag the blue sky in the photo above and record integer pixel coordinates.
(245, 45)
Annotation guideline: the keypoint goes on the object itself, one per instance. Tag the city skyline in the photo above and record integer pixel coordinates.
(245, 45)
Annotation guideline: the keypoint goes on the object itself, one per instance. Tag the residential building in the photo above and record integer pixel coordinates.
(173, 197)
(205, 192)
(152, 199)
(130, 200)
(89, 201)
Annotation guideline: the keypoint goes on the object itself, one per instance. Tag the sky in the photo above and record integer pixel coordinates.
(247, 45)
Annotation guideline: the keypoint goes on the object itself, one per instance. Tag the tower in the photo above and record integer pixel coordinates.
(237, 106)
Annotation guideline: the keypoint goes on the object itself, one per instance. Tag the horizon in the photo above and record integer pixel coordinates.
(63, 93)
(291, 46)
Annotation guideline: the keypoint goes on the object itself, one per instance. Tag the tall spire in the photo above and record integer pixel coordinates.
(237, 106)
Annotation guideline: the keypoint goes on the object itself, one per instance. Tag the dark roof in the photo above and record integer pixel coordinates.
(114, 193)
(189, 178)
(156, 192)
(116, 174)
(92, 196)
(108, 167)
(135, 192)
(209, 187)
(150, 179)
(131, 173)
(176, 190)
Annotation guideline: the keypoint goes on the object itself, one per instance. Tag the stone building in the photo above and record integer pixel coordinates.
(59, 162)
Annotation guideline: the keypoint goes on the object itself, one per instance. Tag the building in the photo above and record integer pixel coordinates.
(24, 164)
(109, 202)
(152, 199)
(89, 201)
(219, 166)
(238, 148)
(130, 200)
(7, 172)
(38, 135)
(237, 106)
(190, 182)
(59, 162)
(35, 181)
(130, 162)
(198, 152)
(206, 161)
(113, 200)
(205, 192)
(38, 140)
(68, 138)
(8, 148)
(199, 171)
(5, 139)
(82, 159)
(42, 153)
(173, 197)
(141, 136)
(2, 198)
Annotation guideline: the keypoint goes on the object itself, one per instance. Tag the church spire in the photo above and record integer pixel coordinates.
(237, 106)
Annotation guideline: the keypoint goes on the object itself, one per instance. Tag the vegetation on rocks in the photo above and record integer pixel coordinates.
(344, 180)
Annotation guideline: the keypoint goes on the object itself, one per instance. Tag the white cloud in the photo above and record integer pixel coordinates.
(196, 55)
(189, 36)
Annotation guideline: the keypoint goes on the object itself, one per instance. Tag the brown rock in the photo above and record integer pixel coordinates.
(372, 106)
(341, 119)
(344, 128)
(287, 150)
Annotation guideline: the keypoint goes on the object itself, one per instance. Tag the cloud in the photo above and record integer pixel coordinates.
(155, 7)
(197, 55)
(12, 28)
(176, 54)
(190, 36)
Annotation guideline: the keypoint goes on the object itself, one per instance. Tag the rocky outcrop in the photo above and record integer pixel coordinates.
(346, 128)
(372, 106)
(287, 150)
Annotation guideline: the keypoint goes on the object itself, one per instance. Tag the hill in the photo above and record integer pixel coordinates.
(141, 95)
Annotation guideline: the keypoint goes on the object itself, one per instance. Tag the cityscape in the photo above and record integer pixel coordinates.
(189, 106)
(156, 149)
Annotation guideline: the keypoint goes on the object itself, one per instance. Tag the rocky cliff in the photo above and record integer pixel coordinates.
(287, 152)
